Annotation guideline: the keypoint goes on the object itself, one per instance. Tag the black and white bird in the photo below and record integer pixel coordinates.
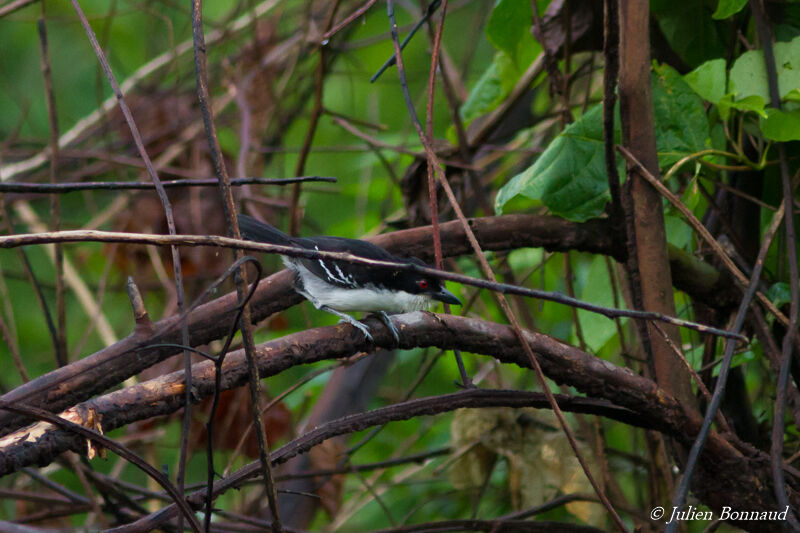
(339, 286)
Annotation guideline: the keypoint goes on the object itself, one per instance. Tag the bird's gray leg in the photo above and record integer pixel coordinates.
(386, 320)
(348, 318)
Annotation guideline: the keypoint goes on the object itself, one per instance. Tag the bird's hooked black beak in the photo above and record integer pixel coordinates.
(446, 296)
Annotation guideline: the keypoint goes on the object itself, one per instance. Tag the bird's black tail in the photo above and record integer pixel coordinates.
(254, 230)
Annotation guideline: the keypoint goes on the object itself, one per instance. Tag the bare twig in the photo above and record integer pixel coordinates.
(436, 165)
(403, 411)
(433, 198)
(432, 7)
(117, 448)
(679, 499)
(77, 349)
(13, 349)
(721, 422)
(558, 80)
(704, 234)
(279, 398)
(778, 422)
(563, 363)
(61, 188)
(218, 362)
(245, 322)
(11, 170)
(34, 281)
(95, 373)
(15, 5)
(349, 19)
(610, 73)
(378, 465)
(55, 202)
(167, 207)
(316, 113)
(23, 239)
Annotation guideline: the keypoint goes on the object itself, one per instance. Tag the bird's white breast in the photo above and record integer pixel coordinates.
(369, 299)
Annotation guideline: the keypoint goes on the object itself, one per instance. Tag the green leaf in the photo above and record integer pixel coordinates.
(678, 233)
(728, 8)
(792, 96)
(739, 359)
(787, 63)
(749, 75)
(570, 176)
(681, 123)
(509, 30)
(752, 103)
(491, 89)
(708, 80)
(690, 30)
(780, 125)
(597, 329)
(779, 294)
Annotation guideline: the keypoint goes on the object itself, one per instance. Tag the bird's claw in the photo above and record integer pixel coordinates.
(386, 320)
(360, 325)
(344, 317)
(365, 330)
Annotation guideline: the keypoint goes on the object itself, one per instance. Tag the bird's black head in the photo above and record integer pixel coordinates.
(416, 283)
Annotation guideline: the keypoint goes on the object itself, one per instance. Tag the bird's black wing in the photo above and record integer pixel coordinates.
(255, 230)
(342, 273)
(339, 273)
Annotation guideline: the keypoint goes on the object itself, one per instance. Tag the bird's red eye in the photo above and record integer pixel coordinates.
(423, 284)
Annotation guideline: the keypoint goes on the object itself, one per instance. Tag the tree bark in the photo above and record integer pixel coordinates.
(638, 134)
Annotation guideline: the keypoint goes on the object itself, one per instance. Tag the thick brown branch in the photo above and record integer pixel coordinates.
(634, 399)
(67, 386)
(95, 373)
(563, 363)
(649, 233)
